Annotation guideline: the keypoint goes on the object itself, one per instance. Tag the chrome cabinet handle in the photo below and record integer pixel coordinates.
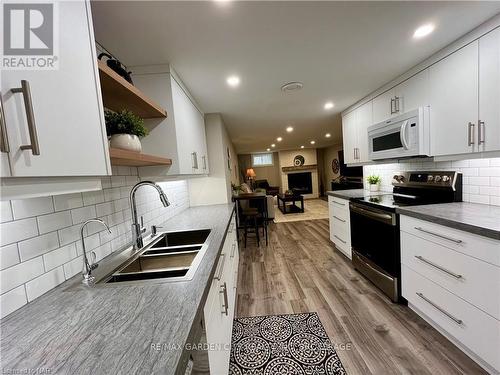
(432, 264)
(218, 275)
(30, 116)
(438, 235)
(354, 152)
(340, 239)
(4, 141)
(225, 305)
(470, 135)
(480, 132)
(233, 250)
(340, 204)
(339, 219)
(437, 307)
(392, 106)
(396, 104)
(195, 160)
(204, 158)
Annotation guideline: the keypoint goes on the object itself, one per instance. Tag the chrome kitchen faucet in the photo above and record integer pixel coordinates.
(88, 279)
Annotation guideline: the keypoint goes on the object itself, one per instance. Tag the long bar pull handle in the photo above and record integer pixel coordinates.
(339, 219)
(233, 250)
(437, 307)
(392, 106)
(30, 116)
(4, 141)
(470, 135)
(340, 239)
(432, 264)
(438, 235)
(225, 306)
(340, 204)
(204, 158)
(396, 104)
(480, 132)
(218, 275)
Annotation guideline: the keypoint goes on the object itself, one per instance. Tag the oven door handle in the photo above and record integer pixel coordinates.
(383, 217)
(402, 135)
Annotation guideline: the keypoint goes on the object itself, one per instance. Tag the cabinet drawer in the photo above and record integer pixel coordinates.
(479, 247)
(338, 204)
(474, 329)
(462, 275)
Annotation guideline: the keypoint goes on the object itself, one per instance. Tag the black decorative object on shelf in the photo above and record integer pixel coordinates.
(298, 161)
(335, 166)
(116, 66)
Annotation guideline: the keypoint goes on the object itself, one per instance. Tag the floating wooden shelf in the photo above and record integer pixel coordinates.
(118, 94)
(300, 168)
(135, 159)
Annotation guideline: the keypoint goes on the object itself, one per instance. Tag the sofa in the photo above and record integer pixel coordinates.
(245, 188)
(270, 190)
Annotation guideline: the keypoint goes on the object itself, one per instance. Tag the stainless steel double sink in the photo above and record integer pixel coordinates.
(173, 256)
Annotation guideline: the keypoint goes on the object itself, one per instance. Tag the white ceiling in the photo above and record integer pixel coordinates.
(341, 51)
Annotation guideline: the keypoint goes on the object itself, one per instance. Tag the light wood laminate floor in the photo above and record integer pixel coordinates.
(300, 271)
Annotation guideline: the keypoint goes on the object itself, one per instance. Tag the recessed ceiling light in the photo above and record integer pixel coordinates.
(423, 30)
(313, 142)
(273, 145)
(289, 129)
(328, 135)
(292, 86)
(279, 139)
(329, 105)
(233, 81)
(301, 146)
(268, 149)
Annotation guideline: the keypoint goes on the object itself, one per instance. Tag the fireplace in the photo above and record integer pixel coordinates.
(300, 183)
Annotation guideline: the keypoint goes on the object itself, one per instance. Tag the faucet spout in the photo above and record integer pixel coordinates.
(88, 279)
(138, 228)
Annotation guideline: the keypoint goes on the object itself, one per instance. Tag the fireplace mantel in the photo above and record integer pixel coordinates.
(300, 168)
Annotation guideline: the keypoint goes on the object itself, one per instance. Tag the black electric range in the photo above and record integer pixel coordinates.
(375, 225)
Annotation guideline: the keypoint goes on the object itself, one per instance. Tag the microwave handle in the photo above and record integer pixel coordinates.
(402, 135)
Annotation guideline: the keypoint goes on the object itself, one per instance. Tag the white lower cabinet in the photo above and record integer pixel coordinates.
(452, 279)
(340, 227)
(220, 306)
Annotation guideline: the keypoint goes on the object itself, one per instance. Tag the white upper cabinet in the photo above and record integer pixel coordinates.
(180, 136)
(488, 138)
(54, 118)
(383, 106)
(412, 93)
(355, 134)
(454, 102)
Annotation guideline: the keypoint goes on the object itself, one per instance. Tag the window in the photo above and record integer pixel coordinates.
(261, 160)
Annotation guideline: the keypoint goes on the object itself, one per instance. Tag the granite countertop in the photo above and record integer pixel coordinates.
(475, 218)
(353, 193)
(111, 330)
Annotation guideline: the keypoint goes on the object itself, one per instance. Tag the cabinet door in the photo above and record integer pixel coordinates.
(349, 134)
(66, 104)
(454, 102)
(363, 121)
(489, 92)
(383, 106)
(413, 93)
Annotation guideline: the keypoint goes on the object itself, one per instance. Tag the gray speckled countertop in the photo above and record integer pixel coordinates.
(354, 193)
(110, 330)
(475, 218)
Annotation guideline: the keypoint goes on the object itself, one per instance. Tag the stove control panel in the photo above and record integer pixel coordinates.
(432, 178)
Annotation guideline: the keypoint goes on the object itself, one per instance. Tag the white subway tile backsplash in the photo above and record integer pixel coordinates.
(495, 181)
(15, 231)
(79, 215)
(68, 201)
(9, 256)
(479, 162)
(37, 246)
(12, 300)
(59, 257)
(52, 222)
(479, 181)
(490, 171)
(5, 211)
(23, 208)
(20, 273)
(483, 199)
(36, 287)
(38, 253)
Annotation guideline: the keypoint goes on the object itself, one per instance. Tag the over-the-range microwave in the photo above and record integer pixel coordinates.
(403, 136)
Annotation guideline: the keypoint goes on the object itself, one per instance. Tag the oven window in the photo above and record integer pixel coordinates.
(387, 142)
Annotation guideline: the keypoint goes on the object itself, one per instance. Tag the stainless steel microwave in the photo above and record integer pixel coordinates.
(403, 136)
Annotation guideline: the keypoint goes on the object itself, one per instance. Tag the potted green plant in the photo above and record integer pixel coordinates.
(124, 129)
(374, 182)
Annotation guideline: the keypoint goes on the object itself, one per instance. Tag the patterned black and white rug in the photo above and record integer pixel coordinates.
(282, 344)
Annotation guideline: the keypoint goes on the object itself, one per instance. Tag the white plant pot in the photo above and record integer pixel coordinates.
(127, 142)
(374, 187)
